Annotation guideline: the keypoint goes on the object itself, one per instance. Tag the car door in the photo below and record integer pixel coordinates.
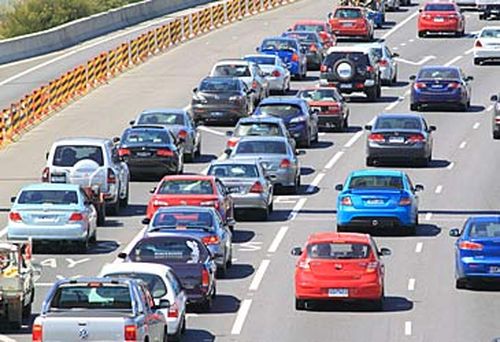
(120, 168)
(415, 200)
(89, 210)
(224, 234)
(178, 292)
(154, 320)
(430, 138)
(293, 158)
(392, 62)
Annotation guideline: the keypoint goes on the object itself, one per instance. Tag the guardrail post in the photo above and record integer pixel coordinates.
(157, 49)
(226, 20)
(212, 9)
(247, 11)
(191, 28)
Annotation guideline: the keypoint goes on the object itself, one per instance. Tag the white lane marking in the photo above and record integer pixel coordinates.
(411, 284)
(468, 52)
(72, 263)
(411, 40)
(257, 279)
(334, 160)
(44, 284)
(420, 62)
(395, 48)
(354, 138)
(131, 244)
(408, 328)
(419, 247)
(3, 232)
(428, 216)
(453, 60)
(476, 125)
(372, 121)
(439, 188)
(490, 107)
(403, 44)
(394, 104)
(450, 166)
(277, 239)
(321, 134)
(191, 314)
(241, 316)
(213, 131)
(5, 338)
(462, 145)
(398, 26)
(315, 182)
(298, 206)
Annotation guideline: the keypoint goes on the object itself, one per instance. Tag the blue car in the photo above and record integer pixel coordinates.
(300, 120)
(290, 52)
(440, 86)
(477, 251)
(373, 199)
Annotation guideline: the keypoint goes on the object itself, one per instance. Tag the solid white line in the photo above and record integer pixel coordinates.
(476, 125)
(213, 131)
(439, 188)
(131, 244)
(450, 166)
(469, 51)
(428, 216)
(296, 209)
(398, 26)
(372, 121)
(241, 316)
(453, 60)
(392, 105)
(411, 284)
(334, 160)
(408, 328)
(277, 239)
(254, 285)
(490, 107)
(354, 138)
(321, 134)
(44, 284)
(419, 247)
(5, 338)
(315, 182)
(462, 145)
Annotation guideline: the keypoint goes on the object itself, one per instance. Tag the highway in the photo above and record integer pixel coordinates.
(255, 301)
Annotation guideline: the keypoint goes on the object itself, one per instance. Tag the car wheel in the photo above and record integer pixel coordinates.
(221, 271)
(394, 78)
(114, 208)
(421, 34)
(370, 161)
(477, 61)
(83, 246)
(413, 107)
(316, 136)
(263, 214)
(206, 305)
(271, 207)
(371, 94)
(377, 304)
(93, 238)
(461, 283)
(345, 124)
(124, 201)
(101, 214)
(300, 304)
(423, 162)
(190, 157)
(496, 135)
(411, 230)
(229, 262)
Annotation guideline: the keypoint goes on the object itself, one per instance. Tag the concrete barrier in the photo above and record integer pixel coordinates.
(77, 31)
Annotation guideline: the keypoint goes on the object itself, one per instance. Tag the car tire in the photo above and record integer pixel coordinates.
(316, 136)
(371, 94)
(221, 271)
(477, 61)
(198, 150)
(411, 230)
(496, 135)
(83, 246)
(271, 207)
(124, 201)
(370, 161)
(206, 305)
(190, 157)
(413, 107)
(93, 238)
(114, 208)
(101, 214)
(421, 34)
(340, 228)
(461, 283)
(263, 214)
(394, 79)
(300, 304)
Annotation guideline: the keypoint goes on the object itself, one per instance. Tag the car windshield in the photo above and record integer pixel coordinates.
(332, 250)
(309, 27)
(146, 137)
(383, 182)
(355, 57)
(490, 33)
(439, 7)
(319, 95)
(161, 119)
(257, 129)
(261, 60)
(234, 171)
(486, 230)
(61, 197)
(155, 284)
(398, 123)
(219, 85)
(94, 295)
(170, 249)
(183, 219)
(280, 110)
(186, 187)
(69, 155)
(232, 70)
(279, 44)
(438, 73)
(348, 13)
(261, 147)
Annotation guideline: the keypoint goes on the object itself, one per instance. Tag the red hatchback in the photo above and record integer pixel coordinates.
(350, 21)
(321, 27)
(192, 190)
(339, 267)
(440, 17)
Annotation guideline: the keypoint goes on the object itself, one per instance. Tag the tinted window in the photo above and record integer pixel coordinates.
(161, 119)
(398, 123)
(279, 44)
(303, 36)
(92, 296)
(319, 95)
(154, 283)
(280, 110)
(218, 85)
(146, 137)
(484, 230)
(355, 57)
(257, 129)
(348, 13)
(183, 219)
(262, 60)
(232, 70)
(325, 250)
(261, 147)
(234, 171)
(186, 187)
(363, 182)
(175, 250)
(309, 27)
(48, 196)
(439, 73)
(439, 7)
(69, 155)
(491, 33)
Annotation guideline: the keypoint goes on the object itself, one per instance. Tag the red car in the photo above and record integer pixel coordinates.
(339, 267)
(350, 21)
(321, 27)
(192, 190)
(440, 17)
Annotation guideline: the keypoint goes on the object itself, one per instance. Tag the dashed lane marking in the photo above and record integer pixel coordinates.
(241, 316)
(259, 275)
(450, 166)
(418, 247)
(476, 125)
(315, 182)
(296, 209)
(398, 26)
(334, 160)
(408, 328)
(428, 216)
(411, 284)
(354, 138)
(277, 239)
(462, 145)
(456, 59)
(439, 188)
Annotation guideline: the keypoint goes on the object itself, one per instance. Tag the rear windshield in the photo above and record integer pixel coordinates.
(280, 110)
(398, 123)
(92, 296)
(319, 95)
(174, 250)
(355, 57)
(257, 129)
(48, 196)
(325, 250)
(219, 85)
(161, 119)
(183, 219)
(186, 187)
(309, 27)
(262, 60)
(363, 182)
(232, 70)
(261, 147)
(439, 73)
(439, 7)
(146, 137)
(303, 36)
(491, 33)
(68, 155)
(279, 44)
(234, 171)
(484, 230)
(348, 13)
(155, 284)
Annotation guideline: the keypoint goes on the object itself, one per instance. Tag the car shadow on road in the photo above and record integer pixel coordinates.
(198, 335)
(391, 304)
(321, 144)
(239, 271)
(203, 159)
(130, 210)
(436, 110)
(364, 99)
(423, 230)
(222, 304)
(434, 164)
(399, 84)
(483, 286)
(387, 25)
(242, 236)
(305, 171)
(98, 248)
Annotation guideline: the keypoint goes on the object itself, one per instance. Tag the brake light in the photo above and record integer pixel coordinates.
(426, 16)
(497, 119)
(15, 216)
(257, 188)
(182, 134)
(478, 44)
(383, 62)
(45, 175)
(313, 48)
(124, 152)
(164, 152)
(295, 57)
(75, 217)
(405, 201)
(416, 138)
(210, 240)
(371, 267)
(130, 332)
(470, 246)
(173, 311)
(232, 142)
(323, 68)
(453, 16)
(205, 278)
(376, 137)
(214, 204)
(304, 264)
(346, 201)
(285, 164)
(37, 333)
(111, 176)
(369, 68)
(276, 73)
(454, 85)
(254, 84)
(420, 85)
(158, 203)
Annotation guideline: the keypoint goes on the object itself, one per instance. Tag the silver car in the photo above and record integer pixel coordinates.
(388, 66)
(275, 71)
(247, 183)
(180, 124)
(276, 156)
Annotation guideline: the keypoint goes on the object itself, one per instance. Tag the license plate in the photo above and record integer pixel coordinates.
(347, 24)
(397, 140)
(375, 201)
(217, 114)
(143, 154)
(436, 86)
(58, 179)
(234, 189)
(438, 20)
(45, 219)
(345, 85)
(494, 269)
(338, 293)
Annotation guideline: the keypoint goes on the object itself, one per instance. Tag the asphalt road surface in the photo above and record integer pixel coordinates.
(255, 301)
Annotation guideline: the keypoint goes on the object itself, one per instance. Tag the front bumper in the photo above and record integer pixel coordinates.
(68, 232)
(375, 218)
(250, 201)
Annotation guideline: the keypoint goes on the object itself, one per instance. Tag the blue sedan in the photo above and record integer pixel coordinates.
(440, 86)
(290, 52)
(477, 250)
(373, 199)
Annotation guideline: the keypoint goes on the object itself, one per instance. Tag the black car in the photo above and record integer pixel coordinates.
(352, 69)
(151, 150)
(311, 43)
(221, 99)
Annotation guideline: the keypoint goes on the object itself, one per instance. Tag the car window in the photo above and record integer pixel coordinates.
(348, 13)
(232, 70)
(219, 85)
(326, 250)
(355, 57)
(233, 171)
(262, 60)
(261, 147)
(161, 119)
(257, 129)
(309, 27)
(490, 33)
(174, 282)
(146, 137)
(169, 249)
(398, 123)
(154, 283)
(279, 44)
(363, 182)
(186, 187)
(438, 7)
(59, 197)
(93, 295)
(439, 73)
(484, 230)
(183, 219)
(319, 95)
(280, 110)
(69, 155)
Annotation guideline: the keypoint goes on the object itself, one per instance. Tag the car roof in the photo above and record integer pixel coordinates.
(81, 141)
(281, 100)
(51, 186)
(146, 126)
(309, 21)
(445, 67)
(370, 172)
(232, 61)
(318, 87)
(350, 48)
(301, 32)
(188, 177)
(81, 280)
(233, 161)
(269, 119)
(400, 115)
(338, 237)
(139, 267)
(262, 55)
(348, 7)
(221, 78)
(263, 138)
(280, 38)
(487, 218)
(490, 28)
(164, 110)
(184, 207)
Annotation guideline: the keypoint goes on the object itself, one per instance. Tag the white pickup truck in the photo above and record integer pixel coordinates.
(99, 310)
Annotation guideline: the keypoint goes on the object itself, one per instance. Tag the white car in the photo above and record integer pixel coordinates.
(163, 284)
(487, 45)
(275, 71)
(387, 64)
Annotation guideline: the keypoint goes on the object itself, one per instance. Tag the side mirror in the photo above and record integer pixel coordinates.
(454, 232)
(494, 98)
(229, 133)
(368, 127)
(395, 54)
(384, 252)
(146, 221)
(257, 49)
(195, 90)
(131, 122)
(153, 190)
(271, 178)
(469, 78)
(122, 255)
(116, 140)
(339, 187)
(300, 152)
(420, 10)
(296, 251)
(289, 29)
(163, 304)
(412, 78)
(228, 151)
(12, 199)
(46, 155)
(330, 15)
(432, 128)
(419, 187)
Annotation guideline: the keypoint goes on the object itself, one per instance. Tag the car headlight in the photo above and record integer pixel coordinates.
(298, 119)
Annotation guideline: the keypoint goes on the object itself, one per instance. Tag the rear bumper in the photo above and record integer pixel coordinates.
(487, 53)
(249, 201)
(351, 32)
(218, 113)
(153, 166)
(416, 151)
(438, 27)
(276, 83)
(372, 218)
(439, 98)
(70, 232)
(284, 177)
(470, 267)
(357, 289)
(349, 87)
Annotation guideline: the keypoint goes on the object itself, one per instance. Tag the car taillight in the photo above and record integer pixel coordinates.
(76, 217)
(453, 85)
(370, 266)
(46, 175)
(276, 73)
(232, 142)
(346, 201)
(313, 48)
(405, 201)
(323, 68)
(15, 216)
(111, 176)
(426, 16)
(214, 204)
(124, 152)
(453, 16)
(257, 188)
(254, 85)
(303, 264)
(130, 332)
(420, 85)
(416, 138)
(164, 152)
(173, 311)
(295, 57)
(376, 137)
(478, 44)
(470, 246)
(369, 68)
(210, 240)
(285, 164)
(383, 62)
(37, 333)
(182, 134)
(158, 203)
(205, 278)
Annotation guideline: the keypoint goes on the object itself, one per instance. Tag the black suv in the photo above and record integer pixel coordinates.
(352, 70)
